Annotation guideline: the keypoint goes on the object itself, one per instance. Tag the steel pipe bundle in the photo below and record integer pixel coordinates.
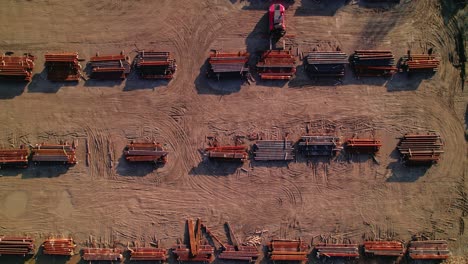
(270, 150)
(102, 254)
(288, 250)
(429, 249)
(16, 68)
(384, 248)
(224, 64)
(59, 246)
(145, 152)
(276, 65)
(21, 246)
(14, 157)
(62, 66)
(419, 62)
(109, 67)
(337, 250)
(373, 63)
(420, 149)
(363, 145)
(323, 145)
(54, 153)
(155, 64)
(244, 253)
(148, 254)
(326, 63)
(234, 153)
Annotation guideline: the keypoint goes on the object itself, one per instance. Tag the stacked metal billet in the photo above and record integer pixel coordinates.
(384, 248)
(363, 145)
(322, 145)
(16, 68)
(224, 64)
(266, 150)
(234, 153)
(276, 65)
(337, 250)
(429, 249)
(373, 63)
(420, 149)
(244, 253)
(148, 254)
(109, 67)
(145, 152)
(62, 66)
(14, 157)
(155, 65)
(59, 246)
(63, 153)
(326, 63)
(21, 246)
(287, 250)
(102, 254)
(419, 62)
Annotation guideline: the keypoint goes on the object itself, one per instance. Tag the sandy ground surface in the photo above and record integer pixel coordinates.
(345, 198)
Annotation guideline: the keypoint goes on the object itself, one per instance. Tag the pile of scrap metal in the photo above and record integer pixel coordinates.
(326, 63)
(276, 65)
(14, 157)
(337, 250)
(429, 249)
(271, 150)
(363, 145)
(384, 248)
(420, 149)
(145, 152)
(224, 64)
(16, 67)
(228, 153)
(59, 246)
(287, 250)
(109, 67)
(155, 64)
(62, 66)
(320, 145)
(373, 63)
(195, 252)
(419, 62)
(102, 254)
(148, 254)
(20, 246)
(63, 153)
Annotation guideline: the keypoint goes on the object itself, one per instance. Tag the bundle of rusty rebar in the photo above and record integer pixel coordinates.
(109, 67)
(62, 66)
(419, 62)
(272, 150)
(326, 63)
(363, 145)
(373, 63)
(16, 67)
(225, 64)
(429, 249)
(14, 157)
(155, 64)
(16, 246)
(319, 145)
(59, 246)
(148, 254)
(337, 250)
(243, 253)
(276, 65)
(420, 149)
(287, 250)
(54, 153)
(102, 254)
(145, 152)
(204, 253)
(384, 248)
(235, 153)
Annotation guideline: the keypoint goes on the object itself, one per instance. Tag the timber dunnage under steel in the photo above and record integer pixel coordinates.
(271, 150)
(429, 249)
(20, 246)
(155, 64)
(145, 152)
(109, 67)
(18, 68)
(102, 254)
(363, 145)
(420, 149)
(14, 157)
(234, 153)
(63, 153)
(337, 250)
(62, 66)
(148, 254)
(277, 65)
(384, 248)
(59, 246)
(287, 250)
(320, 145)
(373, 63)
(326, 63)
(224, 64)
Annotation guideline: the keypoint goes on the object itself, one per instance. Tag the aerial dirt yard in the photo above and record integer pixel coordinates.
(346, 198)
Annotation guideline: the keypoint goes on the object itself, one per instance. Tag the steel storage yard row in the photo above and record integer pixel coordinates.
(109, 67)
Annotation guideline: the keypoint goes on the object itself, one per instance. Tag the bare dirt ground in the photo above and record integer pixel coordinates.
(345, 198)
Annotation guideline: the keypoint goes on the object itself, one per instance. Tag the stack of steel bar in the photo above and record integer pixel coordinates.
(14, 157)
(288, 250)
(337, 250)
(419, 62)
(155, 64)
(326, 63)
(384, 248)
(363, 145)
(429, 249)
(204, 253)
(16, 68)
(420, 149)
(145, 152)
(62, 66)
(223, 64)
(148, 254)
(102, 254)
(276, 65)
(265, 150)
(234, 153)
(54, 153)
(59, 246)
(324, 145)
(109, 67)
(373, 63)
(244, 253)
(16, 246)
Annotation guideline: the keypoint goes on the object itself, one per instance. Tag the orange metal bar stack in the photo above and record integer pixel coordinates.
(54, 153)
(16, 68)
(244, 253)
(419, 62)
(429, 249)
(101, 254)
(420, 149)
(384, 248)
(148, 254)
(14, 157)
(228, 64)
(277, 65)
(145, 152)
(287, 250)
(59, 246)
(195, 252)
(62, 66)
(109, 67)
(337, 250)
(373, 63)
(155, 64)
(21, 246)
(363, 145)
(233, 153)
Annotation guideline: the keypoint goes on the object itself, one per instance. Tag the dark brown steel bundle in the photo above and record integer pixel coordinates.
(148, 253)
(59, 246)
(145, 152)
(277, 65)
(102, 254)
(320, 145)
(62, 66)
(265, 150)
(420, 149)
(234, 153)
(109, 67)
(373, 63)
(429, 249)
(155, 65)
(326, 63)
(195, 252)
(14, 157)
(337, 250)
(244, 253)
(384, 248)
(363, 145)
(21, 246)
(288, 250)
(419, 62)
(224, 64)
(16, 67)
(54, 153)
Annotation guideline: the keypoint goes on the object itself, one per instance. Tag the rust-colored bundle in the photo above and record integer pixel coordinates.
(337, 250)
(363, 145)
(44, 152)
(109, 67)
(195, 252)
(419, 62)
(277, 65)
(148, 253)
(21, 246)
(16, 67)
(420, 149)
(59, 246)
(373, 63)
(244, 253)
(102, 254)
(271, 150)
(288, 250)
(225, 64)
(234, 153)
(384, 248)
(155, 64)
(145, 152)
(429, 249)
(14, 157)
(62, 66)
